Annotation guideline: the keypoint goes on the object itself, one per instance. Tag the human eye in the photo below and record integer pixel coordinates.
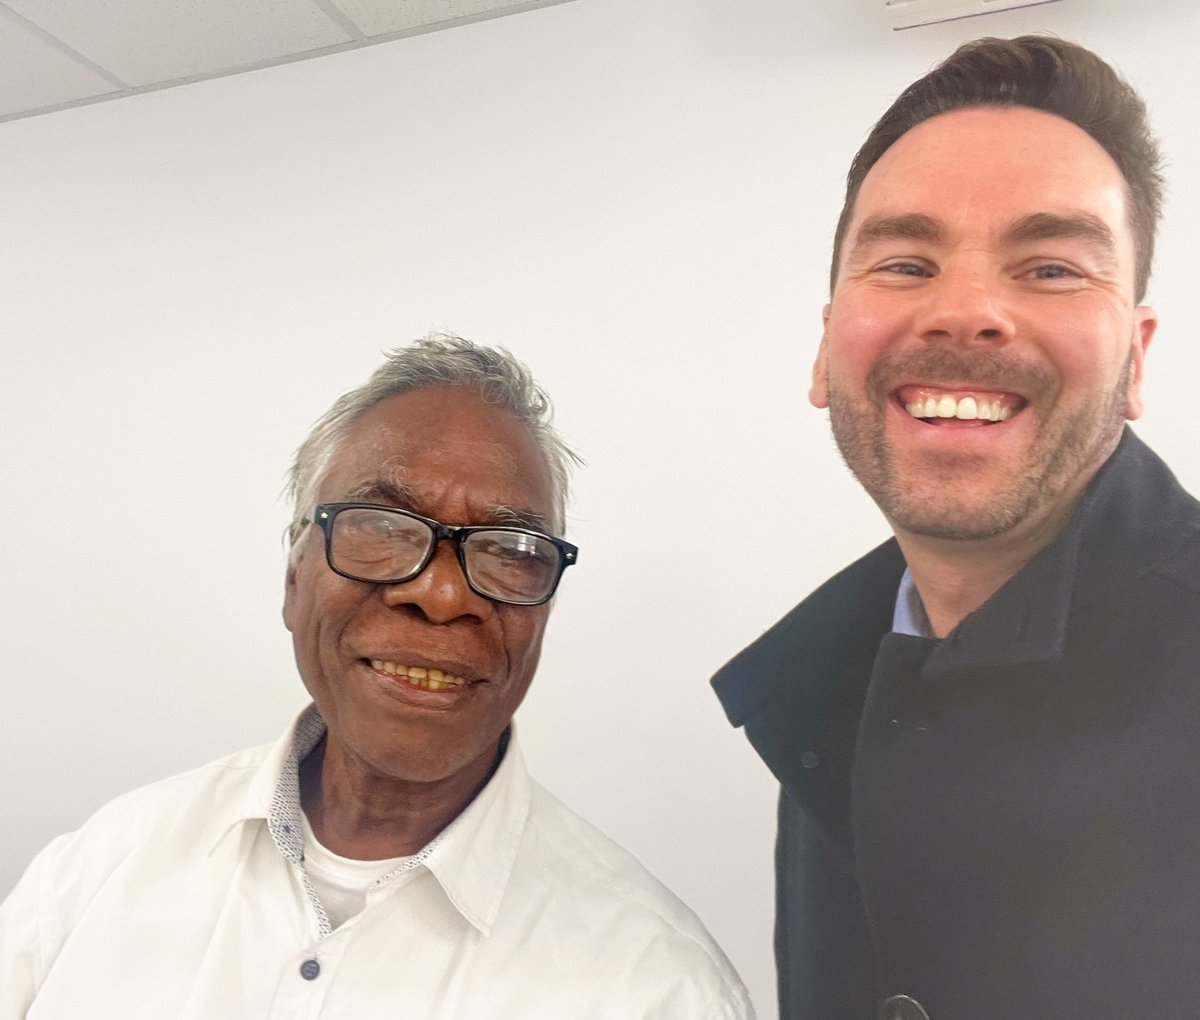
(512, 546)
(380, 525)
(1052, 275)
(513, 554)
(511, 564)
(374, 523)
(902, 269)
(1053, 271)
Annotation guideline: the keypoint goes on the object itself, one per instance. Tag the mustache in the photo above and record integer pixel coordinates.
(990, 371)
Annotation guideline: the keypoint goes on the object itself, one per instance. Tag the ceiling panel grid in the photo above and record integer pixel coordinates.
(38, 74)
(60, 53)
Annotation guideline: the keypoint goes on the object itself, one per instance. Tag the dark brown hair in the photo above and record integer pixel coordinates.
(1043, 73)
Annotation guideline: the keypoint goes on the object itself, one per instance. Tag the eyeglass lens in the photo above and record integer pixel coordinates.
(386, 545)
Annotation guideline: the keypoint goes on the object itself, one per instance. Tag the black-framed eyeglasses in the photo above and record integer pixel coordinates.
(384, 545)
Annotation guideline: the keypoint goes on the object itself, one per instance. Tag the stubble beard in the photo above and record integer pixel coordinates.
(935, 504)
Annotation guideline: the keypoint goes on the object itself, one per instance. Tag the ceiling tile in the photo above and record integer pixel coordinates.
(382, 17)
(144, 42)
(35, 74)
(911, 13)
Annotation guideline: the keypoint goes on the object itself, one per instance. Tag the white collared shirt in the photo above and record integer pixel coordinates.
(188, 900)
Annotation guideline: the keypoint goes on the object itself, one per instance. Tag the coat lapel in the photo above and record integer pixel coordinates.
(799, 689)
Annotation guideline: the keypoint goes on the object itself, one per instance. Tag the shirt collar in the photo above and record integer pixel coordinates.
(910, 616)
(472, 858)
(273, 791)
(478, 850)
(283, 815)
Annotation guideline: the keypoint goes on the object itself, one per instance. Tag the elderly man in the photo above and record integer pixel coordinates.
(390, 856)
(985, 730)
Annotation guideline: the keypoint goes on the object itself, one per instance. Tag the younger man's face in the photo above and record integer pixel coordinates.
(982, 348)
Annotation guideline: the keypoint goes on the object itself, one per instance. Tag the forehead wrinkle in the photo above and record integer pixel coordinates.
(378, 474)
(392, 482)
(378, 451)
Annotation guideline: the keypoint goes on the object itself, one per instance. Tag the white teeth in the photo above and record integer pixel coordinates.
(966, 409)
(419, 676)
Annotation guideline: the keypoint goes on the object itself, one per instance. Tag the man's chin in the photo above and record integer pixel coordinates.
(958, 521)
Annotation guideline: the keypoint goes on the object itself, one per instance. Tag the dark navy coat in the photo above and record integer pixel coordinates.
(1004, 824)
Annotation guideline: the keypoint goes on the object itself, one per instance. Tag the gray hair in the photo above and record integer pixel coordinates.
(440, 359)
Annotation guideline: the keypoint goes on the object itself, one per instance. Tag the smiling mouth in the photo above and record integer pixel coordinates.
(935, 406)
(427, 678)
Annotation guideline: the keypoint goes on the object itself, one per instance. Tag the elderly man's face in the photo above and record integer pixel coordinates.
(447, 454)
(987, 275)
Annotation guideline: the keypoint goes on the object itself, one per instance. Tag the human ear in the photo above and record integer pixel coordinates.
(1144, 325)
(818, 393)
(289, 595)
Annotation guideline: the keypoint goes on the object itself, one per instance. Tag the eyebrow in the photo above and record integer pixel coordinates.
(402, 497)
(1052, 226)
(511, 516)
(1040, 226)
(905, 227)
(390, 492)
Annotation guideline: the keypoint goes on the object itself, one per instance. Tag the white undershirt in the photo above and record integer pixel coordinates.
(340, 883)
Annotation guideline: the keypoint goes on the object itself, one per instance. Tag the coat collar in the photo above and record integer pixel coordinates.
(1132, 520)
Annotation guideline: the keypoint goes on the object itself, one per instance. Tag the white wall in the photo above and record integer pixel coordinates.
(636, 196)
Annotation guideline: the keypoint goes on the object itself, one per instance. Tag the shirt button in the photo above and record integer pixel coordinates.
(309, 970)
(810, 759)
(902, 1007)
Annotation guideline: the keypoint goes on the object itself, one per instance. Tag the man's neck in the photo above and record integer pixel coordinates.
(954, 577)
(358, 814)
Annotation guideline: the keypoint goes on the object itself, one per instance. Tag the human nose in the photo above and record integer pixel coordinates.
(440, 592)
(963, 306)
